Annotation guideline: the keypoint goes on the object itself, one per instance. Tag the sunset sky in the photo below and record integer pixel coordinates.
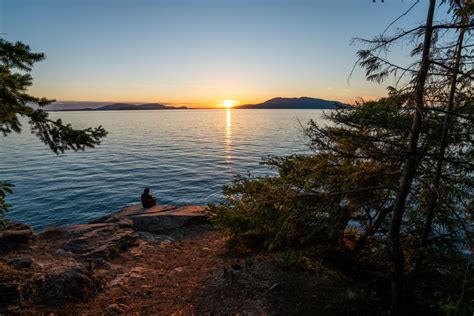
(200, 52)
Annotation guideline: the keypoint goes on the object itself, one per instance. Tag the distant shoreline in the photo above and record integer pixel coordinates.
(167, 110)
(118, 110)
(302, 103)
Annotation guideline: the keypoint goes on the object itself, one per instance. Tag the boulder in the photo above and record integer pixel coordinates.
(98, 242)
(15, 236)
(66, 284)
(115, 309)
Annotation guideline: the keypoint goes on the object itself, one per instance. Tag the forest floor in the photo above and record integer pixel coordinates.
(194, 273)
(124, 264)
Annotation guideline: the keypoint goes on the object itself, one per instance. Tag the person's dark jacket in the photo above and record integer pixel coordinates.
(147, 200)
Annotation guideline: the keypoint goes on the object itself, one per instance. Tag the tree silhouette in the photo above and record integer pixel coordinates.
(16, 63)
(393, 176)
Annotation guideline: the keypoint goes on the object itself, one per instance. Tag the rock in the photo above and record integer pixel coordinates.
(52, 232)
(20, 262)
(66, 284)
(158, 219)
(150, 237)
(115, 309)
(125, 223)
(10, 295)
(99, 242)
(15, 236)
(66, 264)
(129, 211)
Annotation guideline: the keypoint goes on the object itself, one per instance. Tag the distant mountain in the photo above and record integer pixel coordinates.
(149, 106)
(115, 107)
(294, 103)
(74, 105)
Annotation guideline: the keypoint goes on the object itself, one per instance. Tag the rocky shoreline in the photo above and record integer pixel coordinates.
(165, 260)
(73, 263)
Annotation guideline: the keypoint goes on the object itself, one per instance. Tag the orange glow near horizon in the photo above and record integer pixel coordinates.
(200, 101)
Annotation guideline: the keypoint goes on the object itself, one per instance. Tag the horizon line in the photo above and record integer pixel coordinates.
(186, 104)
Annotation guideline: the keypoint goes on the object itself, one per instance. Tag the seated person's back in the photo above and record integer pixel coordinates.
(147, 200)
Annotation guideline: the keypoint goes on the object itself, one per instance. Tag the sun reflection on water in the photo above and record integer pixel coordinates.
(228, 137)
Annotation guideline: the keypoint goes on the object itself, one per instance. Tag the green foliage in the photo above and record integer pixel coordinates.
(340, 196)
(16, 63)
(292, 259)
(351, 177)
(15, 102)
(283, 210)
(451, 308)
(5, 188)
(407, 158)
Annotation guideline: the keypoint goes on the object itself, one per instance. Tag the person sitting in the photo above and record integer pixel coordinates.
(148, 200)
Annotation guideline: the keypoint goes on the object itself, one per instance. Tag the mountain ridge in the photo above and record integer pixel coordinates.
(124, 107)
(274, 103)
(294, 103)
(145, 106)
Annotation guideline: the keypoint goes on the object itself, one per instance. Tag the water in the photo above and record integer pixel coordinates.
(184, 156)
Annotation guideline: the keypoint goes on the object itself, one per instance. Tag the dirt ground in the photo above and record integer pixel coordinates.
(193, 273)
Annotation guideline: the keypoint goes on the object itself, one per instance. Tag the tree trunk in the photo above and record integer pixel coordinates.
(373, 228)
(433, 196)
(410, 165)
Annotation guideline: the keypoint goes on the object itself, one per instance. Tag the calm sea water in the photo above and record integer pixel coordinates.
(184, 156)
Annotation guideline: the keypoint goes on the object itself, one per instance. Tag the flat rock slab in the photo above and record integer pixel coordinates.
(158, 219)
(99, 241)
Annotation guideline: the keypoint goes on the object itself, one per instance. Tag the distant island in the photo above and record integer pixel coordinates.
(126, 107)
(295, 103)
(275, 103)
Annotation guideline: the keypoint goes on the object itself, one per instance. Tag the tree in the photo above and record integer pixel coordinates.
(375, 170)
(16, 62)
(339, 198)
(432, 199)
(420, 88)
(410, 167)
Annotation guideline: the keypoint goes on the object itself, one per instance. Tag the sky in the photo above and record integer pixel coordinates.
(200, 52)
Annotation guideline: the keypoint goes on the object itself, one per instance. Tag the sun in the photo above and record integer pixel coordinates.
(229, 103)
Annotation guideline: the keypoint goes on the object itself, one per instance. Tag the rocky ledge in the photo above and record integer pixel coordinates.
(73, 263)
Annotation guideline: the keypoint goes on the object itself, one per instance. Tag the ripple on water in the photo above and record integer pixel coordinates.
(183, 156)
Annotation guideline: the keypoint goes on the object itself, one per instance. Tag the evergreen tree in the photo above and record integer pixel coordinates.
(389, 181)
(427, 82)
(16, 62)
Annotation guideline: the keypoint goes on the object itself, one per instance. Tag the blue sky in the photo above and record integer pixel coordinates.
(199, 52)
